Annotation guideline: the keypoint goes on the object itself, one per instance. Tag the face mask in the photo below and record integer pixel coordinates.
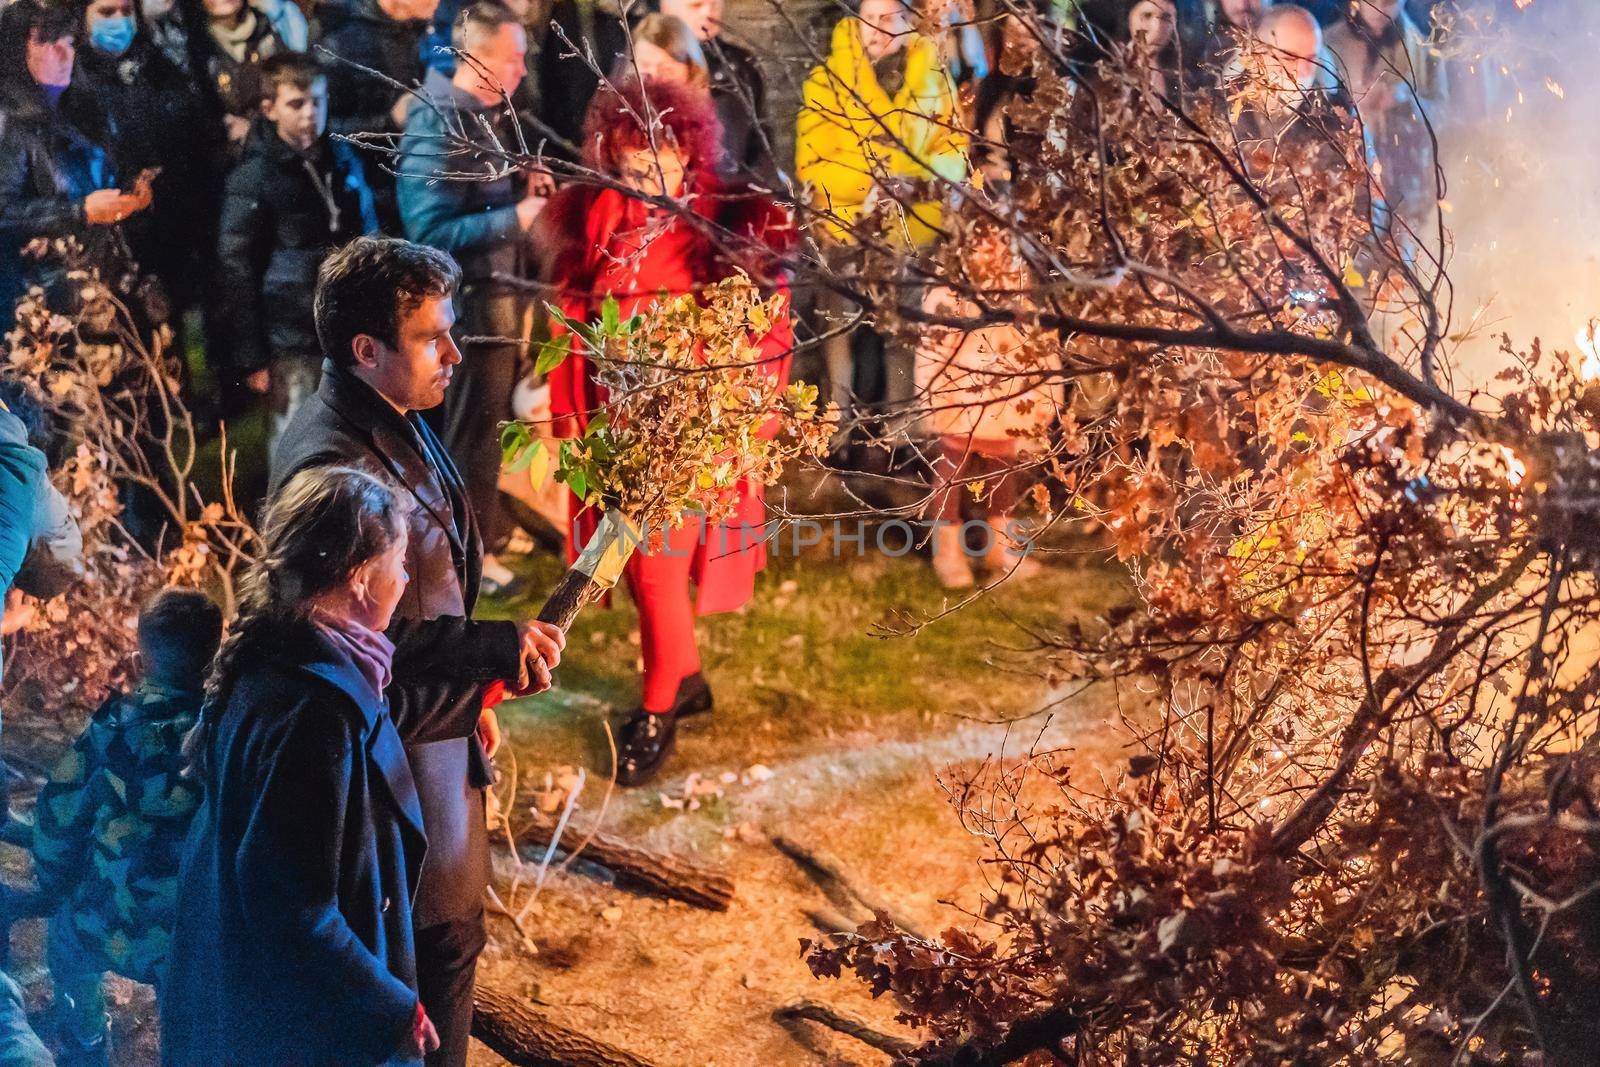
(113, 35)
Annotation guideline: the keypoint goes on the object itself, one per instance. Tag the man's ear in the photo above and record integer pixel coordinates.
(366, 350)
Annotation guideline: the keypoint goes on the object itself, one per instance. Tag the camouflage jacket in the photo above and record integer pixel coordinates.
(110, 824)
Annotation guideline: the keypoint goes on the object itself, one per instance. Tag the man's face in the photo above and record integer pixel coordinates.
(300, 113)
(704, 17)
(50, 62)
(1150, 23)
(1292, 48)
(1243, 13)
(502, 55)
(885, 25)
(413, 374)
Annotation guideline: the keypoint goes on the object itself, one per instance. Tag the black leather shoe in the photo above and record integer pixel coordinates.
(647, 740)
(694, 697)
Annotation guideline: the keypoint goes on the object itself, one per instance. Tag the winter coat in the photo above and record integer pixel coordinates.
(109, 827)
(443, 658)
(740, 95)
(41, 549)
(475, 221)
(851, 133)
(282, 212)
(159, 118)
(567, 85)
(981, 384)
(599, 252)
(51, 158)
(293, 942)
(359, 31)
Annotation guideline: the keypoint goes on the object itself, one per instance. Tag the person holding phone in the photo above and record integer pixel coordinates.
(56, 175)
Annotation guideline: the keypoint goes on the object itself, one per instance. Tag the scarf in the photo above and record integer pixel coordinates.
(235, 40)
(371, 652)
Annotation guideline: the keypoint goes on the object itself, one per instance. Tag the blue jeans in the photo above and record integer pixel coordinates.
(19, 1045)
(79, 985)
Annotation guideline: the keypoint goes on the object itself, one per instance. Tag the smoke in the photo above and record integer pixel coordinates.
(1520, 147)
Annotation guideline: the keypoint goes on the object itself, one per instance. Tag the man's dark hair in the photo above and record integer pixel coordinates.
(293, 69)
(47, 23)
(370, 285)
(26, 19)
(483, 17)
(179, 631)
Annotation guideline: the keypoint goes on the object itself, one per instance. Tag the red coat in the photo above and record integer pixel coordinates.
(610, 244)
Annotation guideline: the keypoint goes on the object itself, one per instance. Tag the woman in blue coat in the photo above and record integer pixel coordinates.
(293, 941)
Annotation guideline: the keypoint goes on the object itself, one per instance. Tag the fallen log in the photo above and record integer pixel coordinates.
(830, 875)
(523, 1034)
(849, 1025)
(641, 868)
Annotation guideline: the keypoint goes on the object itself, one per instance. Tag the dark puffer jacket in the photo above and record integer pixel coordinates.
(51, 158)
(282, 212)
(359, 32)
(159, 118)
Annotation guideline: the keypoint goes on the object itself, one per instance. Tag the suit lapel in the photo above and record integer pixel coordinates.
(399, 456)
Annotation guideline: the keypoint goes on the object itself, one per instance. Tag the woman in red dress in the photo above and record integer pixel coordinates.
(659, 138)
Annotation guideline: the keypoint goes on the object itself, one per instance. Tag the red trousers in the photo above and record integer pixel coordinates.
(659, 584)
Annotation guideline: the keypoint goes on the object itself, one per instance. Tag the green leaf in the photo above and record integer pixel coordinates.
(534, 450)
(610, 316)
(597, 424)
(553, 353)
(514, 440)
(578, 483)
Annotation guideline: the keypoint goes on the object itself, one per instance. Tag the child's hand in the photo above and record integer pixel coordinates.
(423, 1032)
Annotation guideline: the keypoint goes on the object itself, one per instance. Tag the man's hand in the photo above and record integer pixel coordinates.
(259, 382)
(489, 735)
(528, 209)
(400, 110)
(237, 126)
(540, 182)
(423, 1033)
(542, 643)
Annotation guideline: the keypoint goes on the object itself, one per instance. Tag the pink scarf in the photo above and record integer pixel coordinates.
(370, 651)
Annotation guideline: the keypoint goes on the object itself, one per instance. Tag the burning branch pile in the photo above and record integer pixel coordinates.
(1358, 819)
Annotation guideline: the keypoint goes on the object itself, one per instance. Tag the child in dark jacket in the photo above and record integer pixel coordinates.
(110, 823)
(296, 195)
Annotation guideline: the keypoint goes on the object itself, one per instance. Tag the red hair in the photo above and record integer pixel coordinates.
(647, 114)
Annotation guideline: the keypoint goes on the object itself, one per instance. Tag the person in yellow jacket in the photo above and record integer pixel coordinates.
(880, 111)
(879, 115)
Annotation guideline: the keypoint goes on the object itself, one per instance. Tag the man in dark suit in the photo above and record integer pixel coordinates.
(383, 314)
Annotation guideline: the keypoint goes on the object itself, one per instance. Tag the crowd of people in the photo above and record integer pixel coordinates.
(282, 826)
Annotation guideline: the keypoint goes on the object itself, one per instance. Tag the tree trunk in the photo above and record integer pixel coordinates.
(639, 868)
(524, 1034)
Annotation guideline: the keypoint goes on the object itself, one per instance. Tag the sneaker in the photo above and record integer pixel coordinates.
(647, 740)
